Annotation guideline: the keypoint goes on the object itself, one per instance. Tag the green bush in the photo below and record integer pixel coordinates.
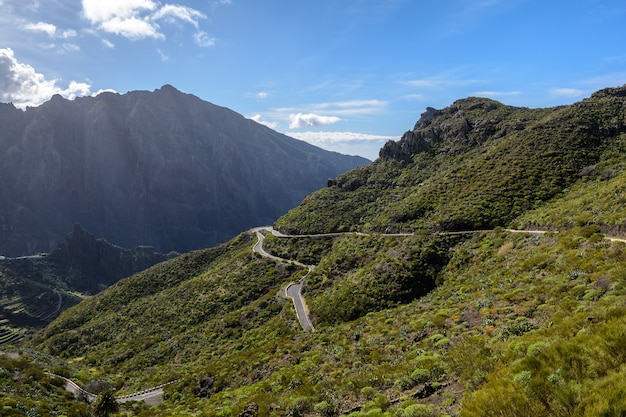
(419, 410)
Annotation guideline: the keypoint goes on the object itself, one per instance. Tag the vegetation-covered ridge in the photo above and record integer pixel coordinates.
(429, 324)
(477, 164)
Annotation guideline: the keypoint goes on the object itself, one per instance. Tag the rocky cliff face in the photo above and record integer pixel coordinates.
(159, 168)
(470, 122)
(452, 130)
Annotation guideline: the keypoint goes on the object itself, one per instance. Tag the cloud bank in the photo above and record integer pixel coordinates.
(139, 19)
(348, 143)
(326, 138)
(21, 85)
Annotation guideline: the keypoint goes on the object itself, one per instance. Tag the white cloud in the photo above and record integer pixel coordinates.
(108, 44)
(68, 47)
(132, 28)
(352, 107)
(47, 28)
(261, 94)
(126, 18)
(203, 39)
(53, 32)
(259, 119)
(496, 93)
(163, 55)
(98, 11)
(171, 12)
(23, 86)
(69, 34)
(350, 143)
(307, 115)
(106, 90)
(137, 19)
(310, 119)
(323, 139)
(75, 89)
(50, 30)
(567, 92)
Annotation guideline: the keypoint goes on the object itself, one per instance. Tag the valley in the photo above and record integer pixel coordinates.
(477, 268)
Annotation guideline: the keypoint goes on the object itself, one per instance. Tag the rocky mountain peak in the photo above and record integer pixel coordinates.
(611, 92)
(454, 129)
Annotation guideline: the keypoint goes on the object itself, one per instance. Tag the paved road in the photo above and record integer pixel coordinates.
(152, 396)
(293, 291)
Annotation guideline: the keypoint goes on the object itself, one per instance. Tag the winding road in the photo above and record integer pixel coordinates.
(154, 396)
(293, 290)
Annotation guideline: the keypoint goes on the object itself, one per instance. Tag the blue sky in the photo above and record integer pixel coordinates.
(345, 75)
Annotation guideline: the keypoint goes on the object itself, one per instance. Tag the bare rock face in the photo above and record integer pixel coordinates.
(161, 168)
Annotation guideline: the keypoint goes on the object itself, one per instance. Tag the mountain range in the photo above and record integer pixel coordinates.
(476, 268)
(162, 169)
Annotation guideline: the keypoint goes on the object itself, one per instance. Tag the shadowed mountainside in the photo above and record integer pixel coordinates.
(161, 168)
(36, 289)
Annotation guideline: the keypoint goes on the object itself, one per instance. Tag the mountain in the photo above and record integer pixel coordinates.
(474, 269)
(34, 290)
(475, 164)
(161, 168)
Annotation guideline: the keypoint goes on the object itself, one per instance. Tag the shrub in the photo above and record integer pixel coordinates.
(419, 410)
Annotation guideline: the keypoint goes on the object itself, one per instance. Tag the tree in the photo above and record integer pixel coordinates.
(105, 404)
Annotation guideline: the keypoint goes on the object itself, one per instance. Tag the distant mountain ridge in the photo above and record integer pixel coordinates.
(159, 168)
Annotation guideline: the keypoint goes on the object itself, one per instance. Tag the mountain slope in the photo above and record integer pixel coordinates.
(492, 322)
(475, 164)
(161, 168)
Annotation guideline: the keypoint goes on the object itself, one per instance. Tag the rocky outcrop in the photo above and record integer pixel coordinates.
(471, 122)
(463, 125)
(161, 168)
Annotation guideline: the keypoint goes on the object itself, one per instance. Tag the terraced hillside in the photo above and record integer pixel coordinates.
(27, 304)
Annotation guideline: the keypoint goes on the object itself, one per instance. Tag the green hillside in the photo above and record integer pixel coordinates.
(458, 315)
(475, 164)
